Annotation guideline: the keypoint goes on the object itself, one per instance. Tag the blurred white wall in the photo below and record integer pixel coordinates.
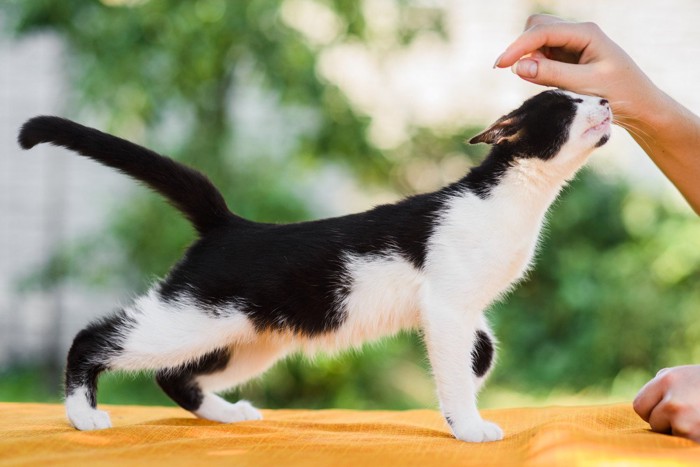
(47, 197)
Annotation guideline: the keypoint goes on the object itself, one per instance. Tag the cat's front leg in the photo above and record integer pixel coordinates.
(450, 335)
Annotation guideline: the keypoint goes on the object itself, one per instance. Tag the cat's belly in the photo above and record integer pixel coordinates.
(383, 297)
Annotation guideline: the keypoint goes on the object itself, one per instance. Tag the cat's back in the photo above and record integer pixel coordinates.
(402, 228)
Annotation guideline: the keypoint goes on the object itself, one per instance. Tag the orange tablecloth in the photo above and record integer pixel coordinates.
(38, 434)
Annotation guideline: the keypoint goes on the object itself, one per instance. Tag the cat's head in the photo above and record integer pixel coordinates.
(552, 125)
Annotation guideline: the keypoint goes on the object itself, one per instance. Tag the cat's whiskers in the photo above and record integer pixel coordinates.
(622, 119)
(642, 136)
(634, 130)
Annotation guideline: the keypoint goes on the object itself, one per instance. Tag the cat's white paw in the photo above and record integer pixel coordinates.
(479, 431)
(82, 415)
(89, 419)
(241, 411)
(219, 410)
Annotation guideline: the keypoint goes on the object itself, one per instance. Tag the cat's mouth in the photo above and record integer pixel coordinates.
(603, 125)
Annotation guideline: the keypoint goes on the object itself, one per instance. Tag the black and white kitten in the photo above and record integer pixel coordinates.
(246, 294)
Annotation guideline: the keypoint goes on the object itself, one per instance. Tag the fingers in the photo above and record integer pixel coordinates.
(541, 70)
(549, 53)
(660, 418)
(670, 404)
(648, 398)
(676, 416)
(572, 37)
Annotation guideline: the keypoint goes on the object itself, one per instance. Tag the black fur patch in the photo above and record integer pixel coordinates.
(180, 384)
(481, 180)
(602, 141)
(188, 190)
(91, 352)
(482, 354)
(292, 276)
(537, 129)
(545, 125)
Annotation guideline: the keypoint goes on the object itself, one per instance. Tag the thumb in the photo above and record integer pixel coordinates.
(541, 70)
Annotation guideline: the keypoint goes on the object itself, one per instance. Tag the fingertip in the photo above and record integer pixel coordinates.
(507, 58)
(498, 60)
(647, 399)
(525, 68)
(641, 404)
(524, 45)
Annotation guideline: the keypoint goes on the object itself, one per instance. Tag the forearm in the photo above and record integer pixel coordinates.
(670, 134)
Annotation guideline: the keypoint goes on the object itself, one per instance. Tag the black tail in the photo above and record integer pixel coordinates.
(186, 189)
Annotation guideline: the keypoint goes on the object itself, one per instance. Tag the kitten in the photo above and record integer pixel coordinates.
(246, 294)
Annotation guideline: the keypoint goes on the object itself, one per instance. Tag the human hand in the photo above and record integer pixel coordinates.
(670, 402)
(579, 57)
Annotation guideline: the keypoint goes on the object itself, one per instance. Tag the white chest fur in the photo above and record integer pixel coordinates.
(483, 246)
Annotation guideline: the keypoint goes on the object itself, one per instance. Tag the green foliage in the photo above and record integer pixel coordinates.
(614, 289)
(27, 384)
(391, 374)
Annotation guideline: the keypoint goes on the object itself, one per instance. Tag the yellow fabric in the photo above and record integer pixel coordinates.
(38, 434)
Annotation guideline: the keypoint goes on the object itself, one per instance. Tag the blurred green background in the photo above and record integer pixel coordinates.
(613, 297)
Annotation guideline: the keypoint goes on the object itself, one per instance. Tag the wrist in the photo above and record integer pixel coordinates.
(660, 116)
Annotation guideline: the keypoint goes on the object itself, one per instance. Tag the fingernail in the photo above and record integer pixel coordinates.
(498, 60)
(525, 68)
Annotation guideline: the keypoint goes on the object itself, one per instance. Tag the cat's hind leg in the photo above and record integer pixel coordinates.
(194, 385)
(91, 353)
(150, 334)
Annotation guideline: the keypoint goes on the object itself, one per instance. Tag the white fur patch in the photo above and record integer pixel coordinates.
(174, 333)
(247, 361)
(383, 299)
(218, 409)
(82, 416)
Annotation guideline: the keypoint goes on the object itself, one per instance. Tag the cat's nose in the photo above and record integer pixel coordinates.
(604, 102)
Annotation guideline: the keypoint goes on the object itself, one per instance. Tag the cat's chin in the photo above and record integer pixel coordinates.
(604, 139)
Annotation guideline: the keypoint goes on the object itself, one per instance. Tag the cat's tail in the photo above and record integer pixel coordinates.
(188, 190)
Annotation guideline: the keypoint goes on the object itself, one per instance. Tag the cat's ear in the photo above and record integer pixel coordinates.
(505, 128)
